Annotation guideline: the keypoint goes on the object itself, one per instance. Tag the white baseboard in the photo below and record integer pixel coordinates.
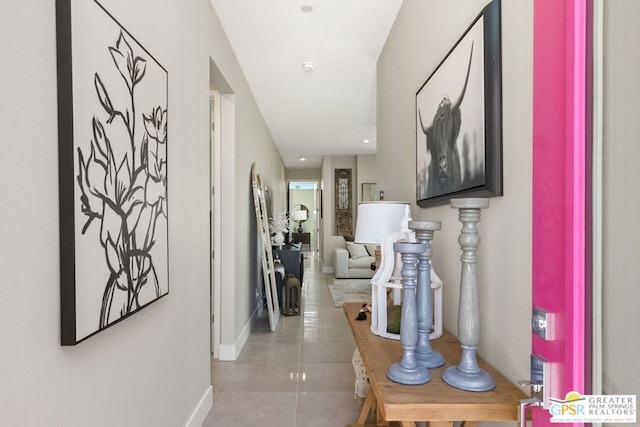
(230, 352)
(202, 409)
(227, 352)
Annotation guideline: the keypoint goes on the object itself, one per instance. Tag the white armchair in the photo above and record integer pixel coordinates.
(351, 261)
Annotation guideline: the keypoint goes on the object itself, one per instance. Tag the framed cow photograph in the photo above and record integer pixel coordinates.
(459, 118)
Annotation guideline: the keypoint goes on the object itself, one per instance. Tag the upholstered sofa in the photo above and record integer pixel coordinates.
(352, 260)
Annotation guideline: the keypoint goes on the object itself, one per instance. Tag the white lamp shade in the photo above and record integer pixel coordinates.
(299, 215)
(376, 220)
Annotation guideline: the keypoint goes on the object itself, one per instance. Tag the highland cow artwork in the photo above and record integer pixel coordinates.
(113, 171)
(458, 118)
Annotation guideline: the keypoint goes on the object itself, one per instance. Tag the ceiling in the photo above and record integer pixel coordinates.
(327, 111)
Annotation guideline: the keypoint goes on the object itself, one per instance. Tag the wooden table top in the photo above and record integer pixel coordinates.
(436, 400)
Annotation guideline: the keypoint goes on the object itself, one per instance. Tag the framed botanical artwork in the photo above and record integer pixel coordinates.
(112, 120)
(459, 118)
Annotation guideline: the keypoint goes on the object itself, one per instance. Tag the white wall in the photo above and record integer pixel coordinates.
(152, 369)
(423, 33)
(621, 200)
(367, 173)
(310, 174)
(244, 272)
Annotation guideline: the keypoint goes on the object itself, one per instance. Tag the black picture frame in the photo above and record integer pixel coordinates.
(459, 118)
(112, 155)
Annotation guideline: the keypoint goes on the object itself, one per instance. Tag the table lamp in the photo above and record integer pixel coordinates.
(383, 223)
(300, 216)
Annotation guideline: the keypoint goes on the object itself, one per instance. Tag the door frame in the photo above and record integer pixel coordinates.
(215, 220)
(315, 248)
(561, 202)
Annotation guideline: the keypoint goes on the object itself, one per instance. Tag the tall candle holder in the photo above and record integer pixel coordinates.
(426, 356)
(467, 375)
(408, 370)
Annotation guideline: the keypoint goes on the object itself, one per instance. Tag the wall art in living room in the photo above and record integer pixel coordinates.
(112, 114)
(459, 118)
(343, 206)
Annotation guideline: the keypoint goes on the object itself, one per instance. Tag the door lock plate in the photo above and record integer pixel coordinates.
(541, 323)
(541, 379)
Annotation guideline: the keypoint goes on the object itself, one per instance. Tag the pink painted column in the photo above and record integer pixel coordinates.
(559, 189)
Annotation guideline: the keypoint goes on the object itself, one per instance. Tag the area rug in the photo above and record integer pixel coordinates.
(350, 290)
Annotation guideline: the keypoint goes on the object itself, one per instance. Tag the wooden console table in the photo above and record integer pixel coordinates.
(304, 238)
(436, 401)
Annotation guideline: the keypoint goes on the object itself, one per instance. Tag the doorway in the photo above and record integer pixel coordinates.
(304, 213)
(222, 135)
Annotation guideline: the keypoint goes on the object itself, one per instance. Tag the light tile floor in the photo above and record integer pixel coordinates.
(299, 376)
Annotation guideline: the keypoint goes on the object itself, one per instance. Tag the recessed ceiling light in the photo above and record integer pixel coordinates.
(308, 66)
(303, 159)
(365, 141)
(306, 8)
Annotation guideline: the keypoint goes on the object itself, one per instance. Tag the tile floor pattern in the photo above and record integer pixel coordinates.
(299, 376)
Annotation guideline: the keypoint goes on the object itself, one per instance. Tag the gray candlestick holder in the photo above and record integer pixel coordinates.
(408, 370)
(467, 375)
(426, 356)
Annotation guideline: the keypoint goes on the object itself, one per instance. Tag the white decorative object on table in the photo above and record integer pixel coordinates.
(278, 239)
(278, 225)
(384, 223)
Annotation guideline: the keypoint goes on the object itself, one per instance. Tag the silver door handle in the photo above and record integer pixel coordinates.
(534, 401)
(524, 405)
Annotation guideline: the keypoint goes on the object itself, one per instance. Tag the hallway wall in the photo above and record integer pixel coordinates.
(367, 173)
(621, 201)
(152, 369)
(422, 35)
